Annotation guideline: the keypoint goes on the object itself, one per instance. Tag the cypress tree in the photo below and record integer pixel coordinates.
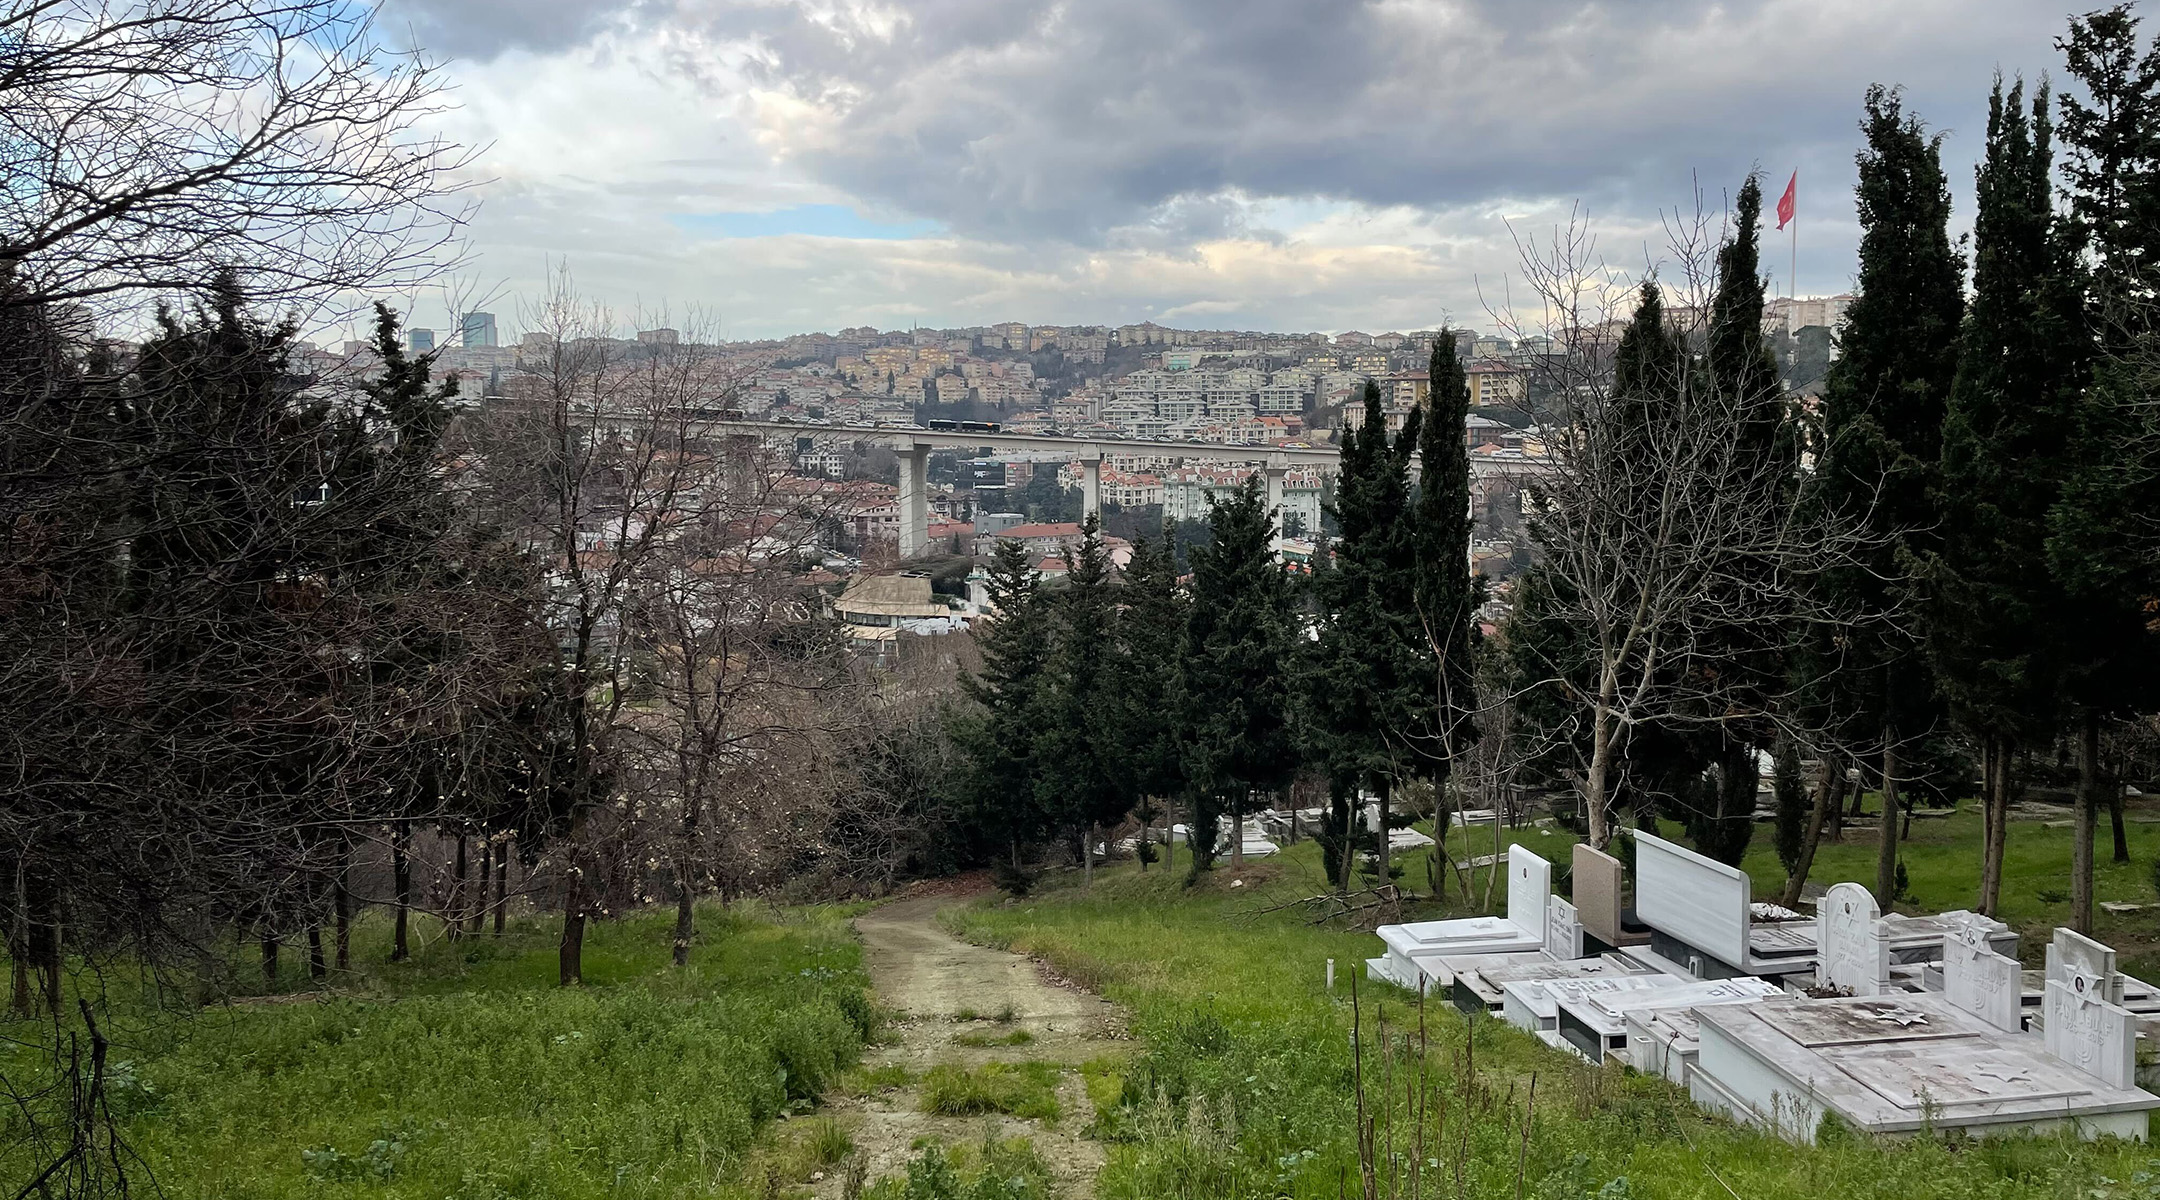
(1447, 594)
(1741, 668)
(1077, 787)
(1012, 687)
(1150, 624)
(1991, 616)
(2102, 547)
(1372, 644)
(1234, 684)
(1882, 425)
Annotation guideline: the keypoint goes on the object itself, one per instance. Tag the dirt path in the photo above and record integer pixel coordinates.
(943, 988)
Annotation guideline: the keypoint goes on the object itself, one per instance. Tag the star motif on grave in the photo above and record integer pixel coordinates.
(2007, 1075)
(1899, 1015)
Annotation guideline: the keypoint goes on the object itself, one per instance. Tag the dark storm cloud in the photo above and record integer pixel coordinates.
(1087, 119)
(482, 29)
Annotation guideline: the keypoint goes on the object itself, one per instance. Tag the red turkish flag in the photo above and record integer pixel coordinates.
(1785, 202)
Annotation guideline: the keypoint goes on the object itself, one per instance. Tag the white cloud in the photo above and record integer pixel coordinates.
(1252, 162)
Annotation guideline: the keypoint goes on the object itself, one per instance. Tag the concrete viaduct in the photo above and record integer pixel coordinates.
(914, 447)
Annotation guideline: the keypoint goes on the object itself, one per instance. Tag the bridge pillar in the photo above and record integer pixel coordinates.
(1091, 485)
(1274, 469)
(914, 498)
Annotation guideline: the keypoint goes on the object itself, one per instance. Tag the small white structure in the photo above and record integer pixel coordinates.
(1853, 956)
(1522, 931)
(1597, 1025)
(1255, 843)
(1533, 1003)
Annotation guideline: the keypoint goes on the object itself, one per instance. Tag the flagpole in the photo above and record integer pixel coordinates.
(1792, 278)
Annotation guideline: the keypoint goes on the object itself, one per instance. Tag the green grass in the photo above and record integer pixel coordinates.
(994, 1169)
(1245, 1085)
(468, 1074)
(1017, 1037)
(1026, 1090)
(1942, 866)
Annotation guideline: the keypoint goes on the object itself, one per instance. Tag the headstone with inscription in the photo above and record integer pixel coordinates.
(1977, 979)
(1852, 955)
(2082, 1024)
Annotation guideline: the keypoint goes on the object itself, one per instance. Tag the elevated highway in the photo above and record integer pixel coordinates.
(913, 446)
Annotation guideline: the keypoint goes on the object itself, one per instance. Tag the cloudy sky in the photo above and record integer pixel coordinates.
(773, 167)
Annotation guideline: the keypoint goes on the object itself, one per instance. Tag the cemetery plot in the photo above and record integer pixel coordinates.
(1896, 1064)
(1522, 930)
(1534, 1004)
(1594, 1024)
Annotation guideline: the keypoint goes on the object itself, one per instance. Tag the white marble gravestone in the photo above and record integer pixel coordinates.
(2083, 1028)
(1978, 980)
(2073, 952)
(1529, 890)
(1853, 956)
(1563, 933)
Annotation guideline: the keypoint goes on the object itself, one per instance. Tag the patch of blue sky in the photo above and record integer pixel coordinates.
(805, 220)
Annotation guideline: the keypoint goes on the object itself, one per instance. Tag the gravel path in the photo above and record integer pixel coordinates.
(934, 981)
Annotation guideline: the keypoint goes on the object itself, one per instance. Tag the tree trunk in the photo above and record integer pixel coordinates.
(1237, 834)
(480, 889)
(1829, 799)
(341, 906)
(1989, 756)
(1997, 802)
(1601, 750)
(1886, 854)
(1087, 858)
(270, 961)
(2088, 810)
(1380, 849)
(2115, 817)
(401, 877)
(55, 953)
(685, 913)
(318, 967)
(502, 886)
(570, 954)
(20, 1002)
(454, 922)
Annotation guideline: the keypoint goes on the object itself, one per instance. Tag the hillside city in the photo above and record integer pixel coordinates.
(1690, 730)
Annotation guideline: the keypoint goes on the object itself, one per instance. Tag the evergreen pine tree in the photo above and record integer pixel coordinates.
(1150, 624)
(1234, 684)
(1447, 594)
(2103, 545)
(1077, 787)
(1002, 742)
(1742, 660)
(1882, 427)
(1991, 616)
(1373, 675)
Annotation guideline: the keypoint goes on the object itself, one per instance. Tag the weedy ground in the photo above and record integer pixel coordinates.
(466, 1073)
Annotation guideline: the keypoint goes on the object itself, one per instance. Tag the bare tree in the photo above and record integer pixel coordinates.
(594, 463)
(149, 142)
(1664, 545)
(743, 664)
